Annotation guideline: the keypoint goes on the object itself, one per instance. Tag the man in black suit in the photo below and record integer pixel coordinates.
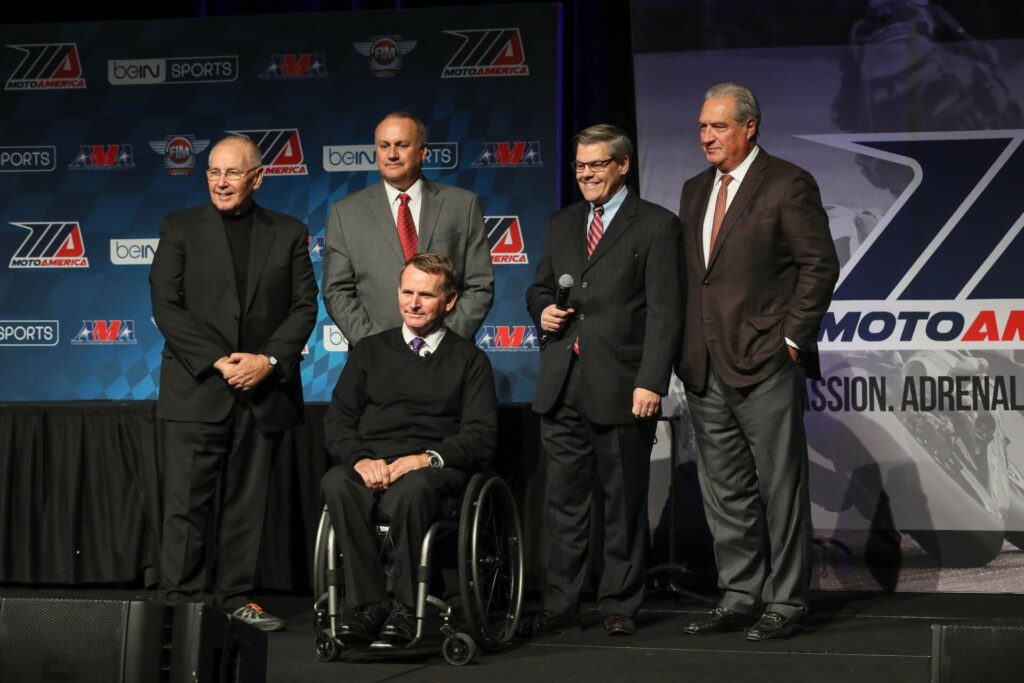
(413, 414)
(234, 295)
(760, 268)
(605, 363)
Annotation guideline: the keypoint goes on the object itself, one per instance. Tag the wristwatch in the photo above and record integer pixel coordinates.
(435, 460)
(271, 360)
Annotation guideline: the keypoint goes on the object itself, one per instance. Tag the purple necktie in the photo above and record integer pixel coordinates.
(417, 344)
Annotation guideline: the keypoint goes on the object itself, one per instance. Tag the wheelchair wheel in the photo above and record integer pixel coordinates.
(490, 562)
(458, 649)
(327, 648)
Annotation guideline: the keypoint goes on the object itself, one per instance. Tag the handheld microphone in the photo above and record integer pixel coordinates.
(565, 283)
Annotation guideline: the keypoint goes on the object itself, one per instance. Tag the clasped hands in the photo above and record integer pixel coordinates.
(379, 474)
(243, 370)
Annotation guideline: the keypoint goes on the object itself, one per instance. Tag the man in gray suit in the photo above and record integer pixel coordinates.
(372, 233)
(760, 267)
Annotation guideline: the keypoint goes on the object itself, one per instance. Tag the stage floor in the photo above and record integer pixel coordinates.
(850, 637)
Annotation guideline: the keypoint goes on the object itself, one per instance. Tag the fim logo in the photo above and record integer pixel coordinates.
(111, 332)
(281, 149)
(385, 53)
(52, 66)
(51, 245)
(179, 152)
(316, 248)
(505, 237)
(508, 154)
(300, 65)
(487, 52)
(507, 338)
(103, 157)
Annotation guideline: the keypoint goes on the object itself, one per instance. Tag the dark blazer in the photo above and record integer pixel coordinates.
(770, 276)
(196, 307)
(627, 298)
(363, 258)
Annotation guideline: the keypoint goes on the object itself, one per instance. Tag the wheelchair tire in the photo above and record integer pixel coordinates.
(490, 562)
(327, 648)
(320, 556)
(459, 649)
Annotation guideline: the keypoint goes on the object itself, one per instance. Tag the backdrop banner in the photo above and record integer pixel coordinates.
(105, 129)
(913, 129)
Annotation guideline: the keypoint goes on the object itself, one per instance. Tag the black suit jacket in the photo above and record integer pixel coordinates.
(196, 307)
(770, 276)
(627, 299)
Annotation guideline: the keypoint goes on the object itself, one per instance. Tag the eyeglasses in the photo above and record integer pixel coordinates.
(578, 166)
(230, 174)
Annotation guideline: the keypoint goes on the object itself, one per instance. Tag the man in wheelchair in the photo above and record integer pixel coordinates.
(413, 415)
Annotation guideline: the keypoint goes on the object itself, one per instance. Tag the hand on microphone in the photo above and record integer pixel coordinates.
(554, 319)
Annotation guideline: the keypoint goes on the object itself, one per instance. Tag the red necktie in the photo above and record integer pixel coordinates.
(595, 230)
(720, 201)
(406, 228)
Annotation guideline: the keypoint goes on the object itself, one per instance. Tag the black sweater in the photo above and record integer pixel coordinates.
(389, 402)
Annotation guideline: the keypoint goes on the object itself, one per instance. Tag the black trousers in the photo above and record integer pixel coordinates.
(619, 456)
(223, 466)
(411, 504)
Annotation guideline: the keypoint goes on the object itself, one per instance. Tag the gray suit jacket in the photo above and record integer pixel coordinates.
(363, 259)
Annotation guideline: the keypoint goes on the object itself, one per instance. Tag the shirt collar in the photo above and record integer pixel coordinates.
(740, 171)
(415, 191)
(433, 339)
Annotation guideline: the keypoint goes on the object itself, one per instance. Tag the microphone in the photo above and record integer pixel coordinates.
(565, 283)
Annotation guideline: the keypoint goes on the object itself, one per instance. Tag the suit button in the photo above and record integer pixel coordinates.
(584, 285)
(707, 282)
(583, 316)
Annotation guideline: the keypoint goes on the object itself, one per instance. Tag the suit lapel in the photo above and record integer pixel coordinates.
(263, 235)
(616, 229)
(430, 211)
(212, 232)
(748, 188)
(577, 228)
(697, 210)
(383, 221)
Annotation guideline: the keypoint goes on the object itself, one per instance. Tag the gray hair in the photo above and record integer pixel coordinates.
(253, 151)
(421, 129)
(746, 104)
(619, 144)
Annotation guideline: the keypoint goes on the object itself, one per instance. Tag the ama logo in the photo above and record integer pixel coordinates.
(51, 245)
(109, 332)
(507, 338)
(385, 53)
(179, 152)
(281, 149)
(505, 237)
(487, 52)
(301, 65)
(103, 157)
(504, 154)
(47, 66)
(942, 268)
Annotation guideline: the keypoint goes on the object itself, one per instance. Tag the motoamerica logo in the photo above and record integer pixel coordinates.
(51, 245)
(507, 338)
(487, 52)
(505, 237)
(281, 149)
(47, 66)
(941, 270)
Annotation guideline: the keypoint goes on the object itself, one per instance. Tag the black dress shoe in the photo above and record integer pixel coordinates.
(546, 623)
(619, 625)
(400, 628)
(719, 620)
(772, 626)
(364, 624)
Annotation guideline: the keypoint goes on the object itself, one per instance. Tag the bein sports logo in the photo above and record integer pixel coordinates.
(133, 252)
(51, 245)
(487, 52)
(334, 340)
(47, 66)
(281, 149)
(108, 332)
(941, 270)
(385, 53)
(103, 157)
(505, 237)
(171, 70)
(179, 152)
(506, 154)
(300, 65)
(351, 158)
(507, 338)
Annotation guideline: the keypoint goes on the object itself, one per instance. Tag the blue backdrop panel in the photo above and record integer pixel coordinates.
(105, 129)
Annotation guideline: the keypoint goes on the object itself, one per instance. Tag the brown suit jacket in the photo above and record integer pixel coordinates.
(770, 276)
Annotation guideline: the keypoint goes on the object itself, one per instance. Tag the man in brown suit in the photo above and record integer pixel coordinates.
(760, 268)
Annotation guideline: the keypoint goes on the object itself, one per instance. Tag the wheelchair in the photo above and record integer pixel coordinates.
(490, 576)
